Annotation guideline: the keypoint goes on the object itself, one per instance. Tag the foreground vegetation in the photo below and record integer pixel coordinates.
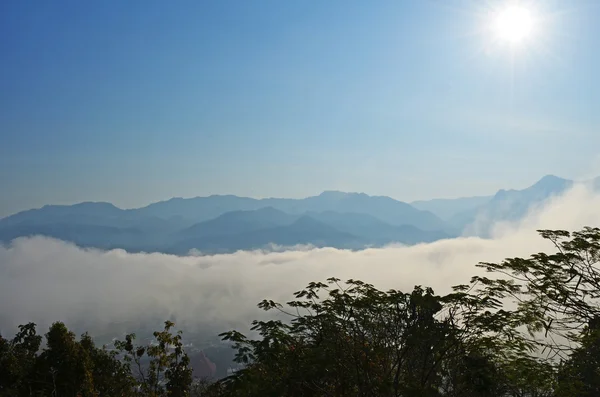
(532, 328)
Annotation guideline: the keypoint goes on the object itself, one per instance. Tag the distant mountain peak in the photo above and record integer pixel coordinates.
(334, 194)
(550, 179)
(551, 183)
(84, 204)
(96, 204)
(263, 211)
(504, 192)
(222, 196)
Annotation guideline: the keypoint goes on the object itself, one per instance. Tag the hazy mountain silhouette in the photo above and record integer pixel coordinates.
(199, 209)
(97, 236)
(256, 229)
(232, 231)
(229, 223)
(92, 213)
(303, 231)
(58, 213)
(447, 208)
(239, 222)
(384, 208)
(510, 205)
(375, 232)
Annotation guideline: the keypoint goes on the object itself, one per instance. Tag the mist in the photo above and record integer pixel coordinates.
(45, 280)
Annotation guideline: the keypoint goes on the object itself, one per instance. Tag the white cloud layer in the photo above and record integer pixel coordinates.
(45, 280)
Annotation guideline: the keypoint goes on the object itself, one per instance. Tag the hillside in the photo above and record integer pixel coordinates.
(229, 223)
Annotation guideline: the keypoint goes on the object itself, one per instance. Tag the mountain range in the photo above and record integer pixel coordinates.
(226, 223)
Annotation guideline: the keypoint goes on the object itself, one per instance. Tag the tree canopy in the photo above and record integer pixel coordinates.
(529, 327)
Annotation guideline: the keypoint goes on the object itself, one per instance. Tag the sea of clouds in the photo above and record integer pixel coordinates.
(45, 280)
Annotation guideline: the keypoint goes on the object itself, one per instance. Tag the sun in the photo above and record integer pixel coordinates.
(513, 24)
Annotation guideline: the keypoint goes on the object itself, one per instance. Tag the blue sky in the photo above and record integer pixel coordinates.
(137, 101)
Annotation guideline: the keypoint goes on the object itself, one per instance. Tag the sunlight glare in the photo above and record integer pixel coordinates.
(513, 24)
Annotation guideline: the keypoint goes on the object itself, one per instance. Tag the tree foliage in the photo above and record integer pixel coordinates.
(70, 367)
(167, 370)
(351, 339)
(558, 292)
(529, 328)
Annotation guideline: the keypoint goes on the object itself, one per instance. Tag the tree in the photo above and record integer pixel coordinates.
(17, 359)
(558, 292)
(64, 365)
(579, 375)
(558, 295)
(111, 376)
(167, 371)
(359, 341)
(68, 367)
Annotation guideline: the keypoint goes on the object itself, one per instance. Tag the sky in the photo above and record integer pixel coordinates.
(138, 101)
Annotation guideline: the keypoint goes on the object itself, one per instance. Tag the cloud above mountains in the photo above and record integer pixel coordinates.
(45, 280)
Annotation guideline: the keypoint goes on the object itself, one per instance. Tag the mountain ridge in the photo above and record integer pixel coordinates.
(225, 223)
(199, 209)
(324, 193)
